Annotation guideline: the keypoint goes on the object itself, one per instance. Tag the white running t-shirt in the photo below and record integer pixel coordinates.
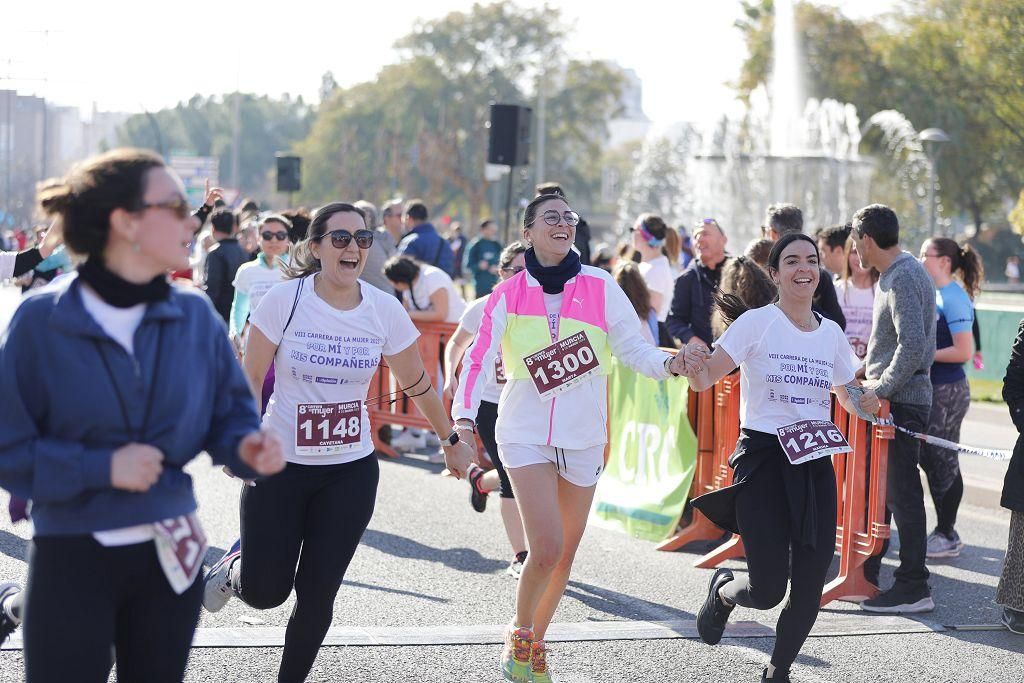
(857, 305)
(785, 374)
(429, 281)
(326, 357)
(256, 279)
(657, 274)
(471, 321)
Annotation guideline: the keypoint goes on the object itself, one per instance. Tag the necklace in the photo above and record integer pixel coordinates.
(809, 325)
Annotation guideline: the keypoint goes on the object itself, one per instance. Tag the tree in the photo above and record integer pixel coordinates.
(418, 128)
(953, 64)
(204, 126)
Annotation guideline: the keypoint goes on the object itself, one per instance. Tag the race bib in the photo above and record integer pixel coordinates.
(860, 348)
(180, 547)
(808, 440)
(328, 428)
(558, 368)
(499, 371)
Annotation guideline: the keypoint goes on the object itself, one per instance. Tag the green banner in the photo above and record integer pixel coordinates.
(653, 452)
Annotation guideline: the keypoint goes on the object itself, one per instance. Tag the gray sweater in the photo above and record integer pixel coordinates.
(902, 343)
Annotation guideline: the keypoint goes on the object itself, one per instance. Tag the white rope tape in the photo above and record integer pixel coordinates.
(992, 453)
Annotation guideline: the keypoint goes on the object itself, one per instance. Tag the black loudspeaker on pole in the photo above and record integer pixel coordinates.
(289, 173)
(509, 144)
(509, 140)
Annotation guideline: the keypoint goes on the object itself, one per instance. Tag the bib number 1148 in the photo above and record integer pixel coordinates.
(328, 428)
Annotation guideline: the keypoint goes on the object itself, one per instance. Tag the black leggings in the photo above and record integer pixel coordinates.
(762, 512)
(83, 598)
(486, 418)
(310, 516)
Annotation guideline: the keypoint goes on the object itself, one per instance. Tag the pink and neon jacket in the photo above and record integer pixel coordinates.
(515, 320)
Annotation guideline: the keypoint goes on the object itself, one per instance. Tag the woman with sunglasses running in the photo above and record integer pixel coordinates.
(110, 383)
(557, 326)
(254, 279)
(783, 501)
(326, 331)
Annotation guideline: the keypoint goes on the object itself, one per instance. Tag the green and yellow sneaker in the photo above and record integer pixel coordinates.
(515, 658)
(539, 672)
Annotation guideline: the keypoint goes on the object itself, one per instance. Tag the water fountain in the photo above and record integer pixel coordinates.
(784, 148)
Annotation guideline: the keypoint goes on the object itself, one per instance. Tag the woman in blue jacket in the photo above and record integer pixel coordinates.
(110, 383)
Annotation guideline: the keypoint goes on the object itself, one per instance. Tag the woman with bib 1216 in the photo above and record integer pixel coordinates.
(783, 501)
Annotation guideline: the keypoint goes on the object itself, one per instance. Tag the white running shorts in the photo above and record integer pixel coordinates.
(580, 467)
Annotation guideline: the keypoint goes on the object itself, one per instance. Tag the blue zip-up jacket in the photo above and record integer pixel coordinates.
(61, 418)
(426, 245)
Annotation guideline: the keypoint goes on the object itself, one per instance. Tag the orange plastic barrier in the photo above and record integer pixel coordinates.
(433, 337)
(860, 486)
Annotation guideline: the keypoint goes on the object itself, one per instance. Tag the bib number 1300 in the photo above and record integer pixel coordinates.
(563, 365)
(328, 428)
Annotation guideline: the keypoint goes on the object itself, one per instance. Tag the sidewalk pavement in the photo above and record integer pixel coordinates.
(987, 425)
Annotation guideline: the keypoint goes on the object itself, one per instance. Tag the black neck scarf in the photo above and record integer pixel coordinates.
(117, 291)
(552, 279)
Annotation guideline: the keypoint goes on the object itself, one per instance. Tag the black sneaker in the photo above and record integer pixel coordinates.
(778, 677)
(477, 497)
(901, 599)
(7, 624)
(1012, 619)
(714, 613)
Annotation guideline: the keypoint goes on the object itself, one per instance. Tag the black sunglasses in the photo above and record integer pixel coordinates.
(178, 206)
(513, 269)
(340, 239)
(281, 235)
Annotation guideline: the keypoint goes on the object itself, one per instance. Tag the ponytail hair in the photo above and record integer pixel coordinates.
(744, 285)
(963, 259)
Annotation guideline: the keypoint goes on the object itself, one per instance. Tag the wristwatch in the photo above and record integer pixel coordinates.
(668, 366)
(452, 438)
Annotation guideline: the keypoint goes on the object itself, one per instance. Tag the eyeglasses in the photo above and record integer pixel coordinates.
(340, 239)
(513, 269)
(178, 206)
(552, 217)
(280, 235)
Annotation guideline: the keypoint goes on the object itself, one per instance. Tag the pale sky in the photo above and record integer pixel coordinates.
(130, 56)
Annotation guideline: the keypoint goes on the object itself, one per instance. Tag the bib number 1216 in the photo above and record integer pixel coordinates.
(808, 440)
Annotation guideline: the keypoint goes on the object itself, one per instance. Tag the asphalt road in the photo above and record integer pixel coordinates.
(431, 568)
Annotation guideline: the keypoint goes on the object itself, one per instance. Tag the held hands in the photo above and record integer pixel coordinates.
(695, 357)
(458, 457)
(135, 467)
(262, 451)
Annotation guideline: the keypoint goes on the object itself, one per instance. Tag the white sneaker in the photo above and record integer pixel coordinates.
(217, 588)
(409, 440)
(939, 545)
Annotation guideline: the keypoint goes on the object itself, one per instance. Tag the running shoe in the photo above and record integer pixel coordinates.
(714, 613)
(515, 657)
(901, 599)
(941, 545)
(477, 496)
(7, 621)
(539, 672)
(1012, 619)
(409, 440)
(515, 569)
(777, 677)
(217, 588)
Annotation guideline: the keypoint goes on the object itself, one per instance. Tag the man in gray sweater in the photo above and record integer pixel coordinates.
(899, 357)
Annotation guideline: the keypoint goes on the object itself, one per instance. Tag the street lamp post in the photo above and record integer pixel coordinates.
(932, 138)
